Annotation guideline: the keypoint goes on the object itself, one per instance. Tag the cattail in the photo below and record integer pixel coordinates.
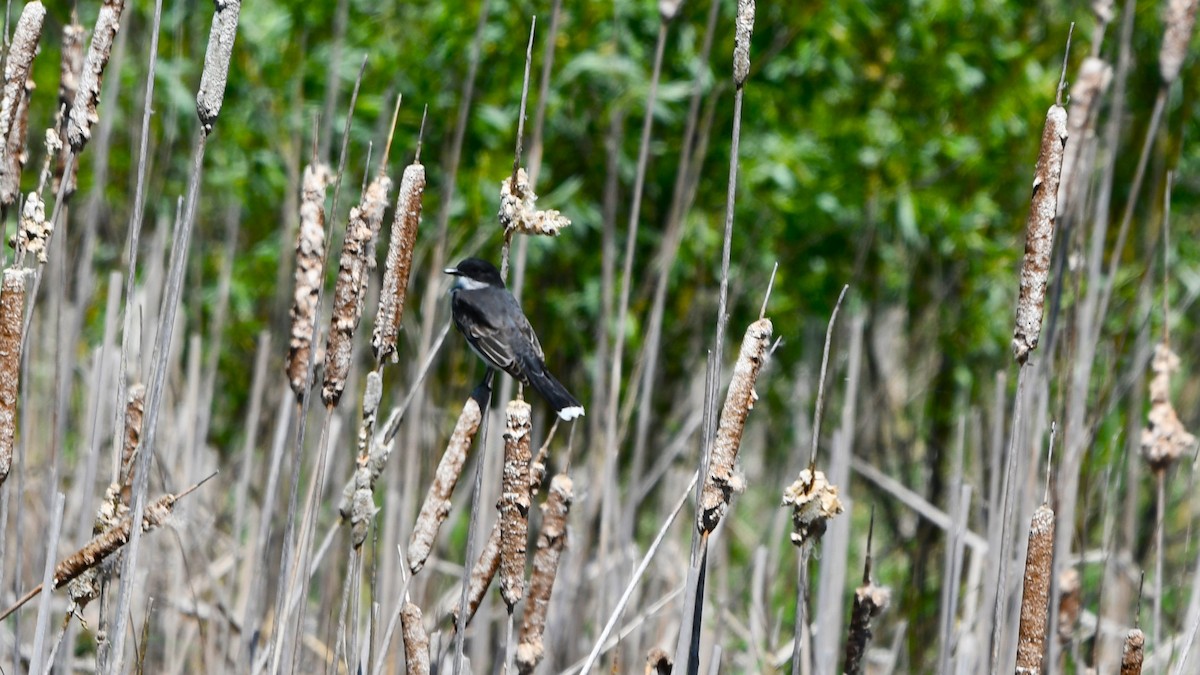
(481, 575)
(741, 42)
(1092, 81)
(814, 500)
(1164, 440)
(33, 236)
(519, 212)
(12, 315)
(399, 262)
(1070, 603)
(310, 251)
(83, 109)
(1180, 20)
(514, 502)
(362, 504)
(17, 65)
(216, 61)
(135, 408)
(550, 544)
(1039, 234)
(376, 462)
(668, 9)
(659, 662)
(356, 259)
(70, 69)
(1132, 653)
(436, 507)
(1035, 599)
(723, 478)
(14, 157)
(416, 641)
(869, 601)
(372, 394)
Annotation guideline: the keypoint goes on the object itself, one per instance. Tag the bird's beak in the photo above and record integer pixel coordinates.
(451, 271)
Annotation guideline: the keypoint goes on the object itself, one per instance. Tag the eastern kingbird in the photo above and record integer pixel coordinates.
(498, 332)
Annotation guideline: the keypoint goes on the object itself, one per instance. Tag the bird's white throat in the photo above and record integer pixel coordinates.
(469, 284)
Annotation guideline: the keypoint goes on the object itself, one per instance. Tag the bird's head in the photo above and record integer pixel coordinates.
(474, 274)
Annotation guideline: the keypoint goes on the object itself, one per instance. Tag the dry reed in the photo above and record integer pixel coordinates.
(83, 109)
(399, 262)
(1039, 234)
(356, 261)
(1132, 653)
(12, 312)
(514, 502)
(551, 540)
(436, 506)
(723, 477)
(310, 252)
(1035, 600)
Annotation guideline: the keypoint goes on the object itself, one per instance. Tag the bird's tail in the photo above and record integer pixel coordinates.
(566, 405)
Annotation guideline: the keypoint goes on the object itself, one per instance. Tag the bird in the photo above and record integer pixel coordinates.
(496, 329)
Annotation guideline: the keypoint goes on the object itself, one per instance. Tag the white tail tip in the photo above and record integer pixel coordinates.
(571, 412)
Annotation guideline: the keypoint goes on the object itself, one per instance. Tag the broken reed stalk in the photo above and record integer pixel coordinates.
(310, 263)
(1132, 653)
(83, 110)
(357, 259)
(14, 103)
(551, 540)
(12, 314)
(399, 261)
(416, 640)
(514, 502)
(436, 507)
(1035, 599)
(723, 478)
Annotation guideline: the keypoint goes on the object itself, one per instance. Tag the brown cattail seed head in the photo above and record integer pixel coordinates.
(216, 61)
(35, 230)
(83, 112)
(436, 507)
(362, 504)
(416, 641)
(376, 462)
(481, 575)
(723, 478)
(310, 252)
(1180, 21)
(741, 42)
(514, 502)
(70, 70)
(814, 500)
(110, 541)
(1070, 603)
(1035, 601)
(135, 408)
(1039, 234)
(1164, 440)
(519, 212)
(659, 662)
(399, 262)
(15, 153)
(12, 315)
(357, 258)
(550, 544)
(869, 601)
(1132, 653)
(14, 103)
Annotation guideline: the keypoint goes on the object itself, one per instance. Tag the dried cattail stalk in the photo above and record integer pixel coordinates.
(1180, 20)
(514, 501)
(12, 315)
(1164, 440)
(70, 69)
(723, 477)
(481, 575)
(741, 42)
(83, 109)
(869, 601)
(1070, 604)
(216, 61)
(399, 262)
(1039, 234)
(17, 65)
(135, 408)
(310, 251)
(1091, 82)
(34, 234)
(15, 155)
(550, 544)
(519, 212)
(659, 662)
(357, 258)
(1132, 653)
(814, 500)
(1035, 599)
(436, 507)
(416, 641)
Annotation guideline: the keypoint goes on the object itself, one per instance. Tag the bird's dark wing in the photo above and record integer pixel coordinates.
(526, 331)
(485, 336)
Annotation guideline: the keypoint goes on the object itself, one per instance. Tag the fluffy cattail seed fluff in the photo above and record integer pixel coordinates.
(399, 262)
(12, 315)
(356, 259)
(216, 61)
(550, 544)
(1164, 438)
(519, 212)
(514, 502)
(1035, 600)
(723, 479)
(310, 252)
(34, 234)
(1180, 21)
(83, 112)
(1039, 234)
(741, 42)
(814, 500)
